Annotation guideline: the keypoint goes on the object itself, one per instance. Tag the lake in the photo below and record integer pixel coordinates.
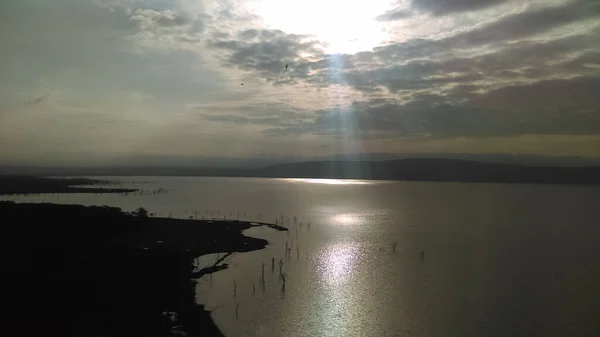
(386, 258)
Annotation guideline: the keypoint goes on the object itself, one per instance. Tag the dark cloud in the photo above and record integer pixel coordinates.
(265, 114)
(237, 119)
(489, 80)
(395, 14)
(219, 35)
(437, 8)
(186, 39)
(250, 34)
(181, 26)
(441, 7)
(530, 23)
(226, 14)
(173, 20)
(507, 28)
(266, 52)
(505, 112)
(570, 97)
(198, 26)
(525, 60)
(35, 101)
(394, 78)
(450, 95)
(229, 13)
(446, 66)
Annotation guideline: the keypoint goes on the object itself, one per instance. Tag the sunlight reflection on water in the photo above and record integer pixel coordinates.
(346, 219)
(329, 181)
(489, 247)
(337, 262)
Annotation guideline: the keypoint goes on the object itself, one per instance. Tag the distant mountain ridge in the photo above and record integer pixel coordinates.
(75, 161)
(436, 170)
(422, 169)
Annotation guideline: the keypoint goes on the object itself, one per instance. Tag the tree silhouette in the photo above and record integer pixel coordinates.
(141, 213)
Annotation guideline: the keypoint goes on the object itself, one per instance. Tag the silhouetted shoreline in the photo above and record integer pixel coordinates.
(19, 184)
(71, 270)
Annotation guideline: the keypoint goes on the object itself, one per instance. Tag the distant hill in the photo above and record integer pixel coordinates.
(436, 170)
(421, 169)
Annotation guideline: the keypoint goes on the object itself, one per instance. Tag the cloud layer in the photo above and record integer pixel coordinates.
(531, 71)
(161, 77)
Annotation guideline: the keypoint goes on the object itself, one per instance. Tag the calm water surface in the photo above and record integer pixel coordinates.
(470, 259)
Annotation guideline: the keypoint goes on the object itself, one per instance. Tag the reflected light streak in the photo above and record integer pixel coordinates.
(329, 181)
(337, 262)
(335, 267)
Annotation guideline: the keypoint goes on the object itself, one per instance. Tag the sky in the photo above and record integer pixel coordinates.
(96, 81)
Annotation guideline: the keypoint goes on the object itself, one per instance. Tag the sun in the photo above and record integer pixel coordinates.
(342, 26)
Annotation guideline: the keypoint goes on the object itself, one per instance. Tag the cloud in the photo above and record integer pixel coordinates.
(171, 19)
(263, 114)
(435, 86)
(523, 62)
(442, 7)
(35, 101)
(395, 14)
(168, 27)
(266, 52)
(530, 23)
(160, 75)
(504, 112)
(507, 28)
(502, 48)
(149, 19)
(408, 9)
(572, 99)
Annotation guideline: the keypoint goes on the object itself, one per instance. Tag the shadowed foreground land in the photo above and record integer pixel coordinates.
(70, 270)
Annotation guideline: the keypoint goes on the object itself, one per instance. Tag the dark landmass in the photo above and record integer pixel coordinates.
(437, 170)
(70, 270)
(51, 163)
(453, 170)
(517, 159)
(19, 184)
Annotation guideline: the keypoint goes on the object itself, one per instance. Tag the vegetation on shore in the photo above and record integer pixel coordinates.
(71, 270)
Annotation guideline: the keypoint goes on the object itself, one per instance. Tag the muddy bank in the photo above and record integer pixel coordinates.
(14, 184)
(70, 270)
